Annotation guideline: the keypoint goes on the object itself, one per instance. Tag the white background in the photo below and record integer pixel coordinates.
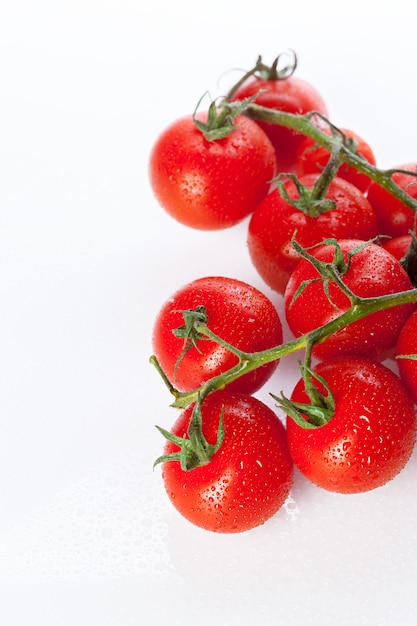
(87, 535)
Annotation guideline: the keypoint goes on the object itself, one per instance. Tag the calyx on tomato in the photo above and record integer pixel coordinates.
(271, 72)
(329, 271)
(267, 72)
(188, 331)
(313, 201)
(195, 450)
(220, 121)
(321, 408)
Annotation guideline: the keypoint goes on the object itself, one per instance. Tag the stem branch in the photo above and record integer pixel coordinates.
(361, 308)
(304, 125)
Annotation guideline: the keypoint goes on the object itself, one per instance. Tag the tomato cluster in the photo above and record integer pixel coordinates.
(335, 237)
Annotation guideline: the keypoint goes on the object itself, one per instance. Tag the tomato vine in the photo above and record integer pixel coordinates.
(248, 361)
(193, 449)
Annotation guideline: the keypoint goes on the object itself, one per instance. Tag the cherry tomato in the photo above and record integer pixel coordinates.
(397, 246)
(247, 480)
(394, 218)
(407, 345)
(274, 222)
(371, 272)
(211, 185)
(237, 312)
(404, 249)
(370, 436)
(312, 158)
(291, 95)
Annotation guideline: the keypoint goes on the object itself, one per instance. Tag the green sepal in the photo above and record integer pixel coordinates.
(221, 118)
(319, 400)
(316, 415)
(186, 455)
(195, 450)
(318, 412)
(307, 203)
(189, 332)
(329, 272)
(265, 72)
(294, 411)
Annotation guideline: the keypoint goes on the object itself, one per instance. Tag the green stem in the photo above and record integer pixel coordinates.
(265, 72)
(311, 390)
(323, 182)
(251, 361)
(304, 125)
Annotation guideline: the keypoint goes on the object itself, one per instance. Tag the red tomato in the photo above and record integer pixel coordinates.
(407, 345)
(291, 95)
(394, 218)
(274, 221)
(372, 272)
(248, 478)
(312, 158)
(211, 185)
(237, 312)
(398, 246)
(405, 250)
(370, 436)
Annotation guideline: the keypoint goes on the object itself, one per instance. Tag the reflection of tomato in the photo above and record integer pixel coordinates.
(290, 94)
(312, 158)
(394, 218)
(211, 185)
(407, 345)
(248, 478)
(274, 222)
(371, 272)
(370, 436)
(237, 312)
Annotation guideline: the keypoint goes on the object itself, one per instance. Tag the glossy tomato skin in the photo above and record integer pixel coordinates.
(291, 95)
(274, 221)
(211, 185)
(398, 246)
(371, 435)
(406, 345)
(372, 272)
(237, 312)
(394, 218)
(248, 478)
(312, 158)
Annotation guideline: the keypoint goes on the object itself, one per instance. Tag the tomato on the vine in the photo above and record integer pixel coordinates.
(211, 184)
(394, 218)
(406, 355)
(237, 312)
(312, 158)
(397, 246)
(370, 436)
(404, 248)
(276, 219)
(249, 477)
(291, 95)
(311, 301)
